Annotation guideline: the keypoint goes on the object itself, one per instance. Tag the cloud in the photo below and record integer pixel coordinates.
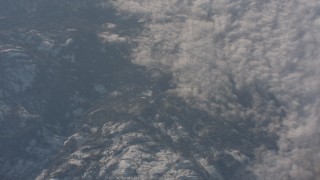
(240, 60)
(108, 37)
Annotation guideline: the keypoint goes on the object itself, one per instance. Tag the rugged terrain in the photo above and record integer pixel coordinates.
(73, 106)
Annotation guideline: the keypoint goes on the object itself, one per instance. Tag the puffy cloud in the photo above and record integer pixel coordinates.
(243, 60)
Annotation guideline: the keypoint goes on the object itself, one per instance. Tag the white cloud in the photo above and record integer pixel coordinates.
(227, 57)
(108, 37)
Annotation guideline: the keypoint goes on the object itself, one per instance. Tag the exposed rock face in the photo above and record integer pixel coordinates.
(72, 106)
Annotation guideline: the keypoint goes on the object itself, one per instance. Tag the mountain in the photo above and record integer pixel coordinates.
(154, 90)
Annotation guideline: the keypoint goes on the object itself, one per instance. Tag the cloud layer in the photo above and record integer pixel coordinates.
(243, 60)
